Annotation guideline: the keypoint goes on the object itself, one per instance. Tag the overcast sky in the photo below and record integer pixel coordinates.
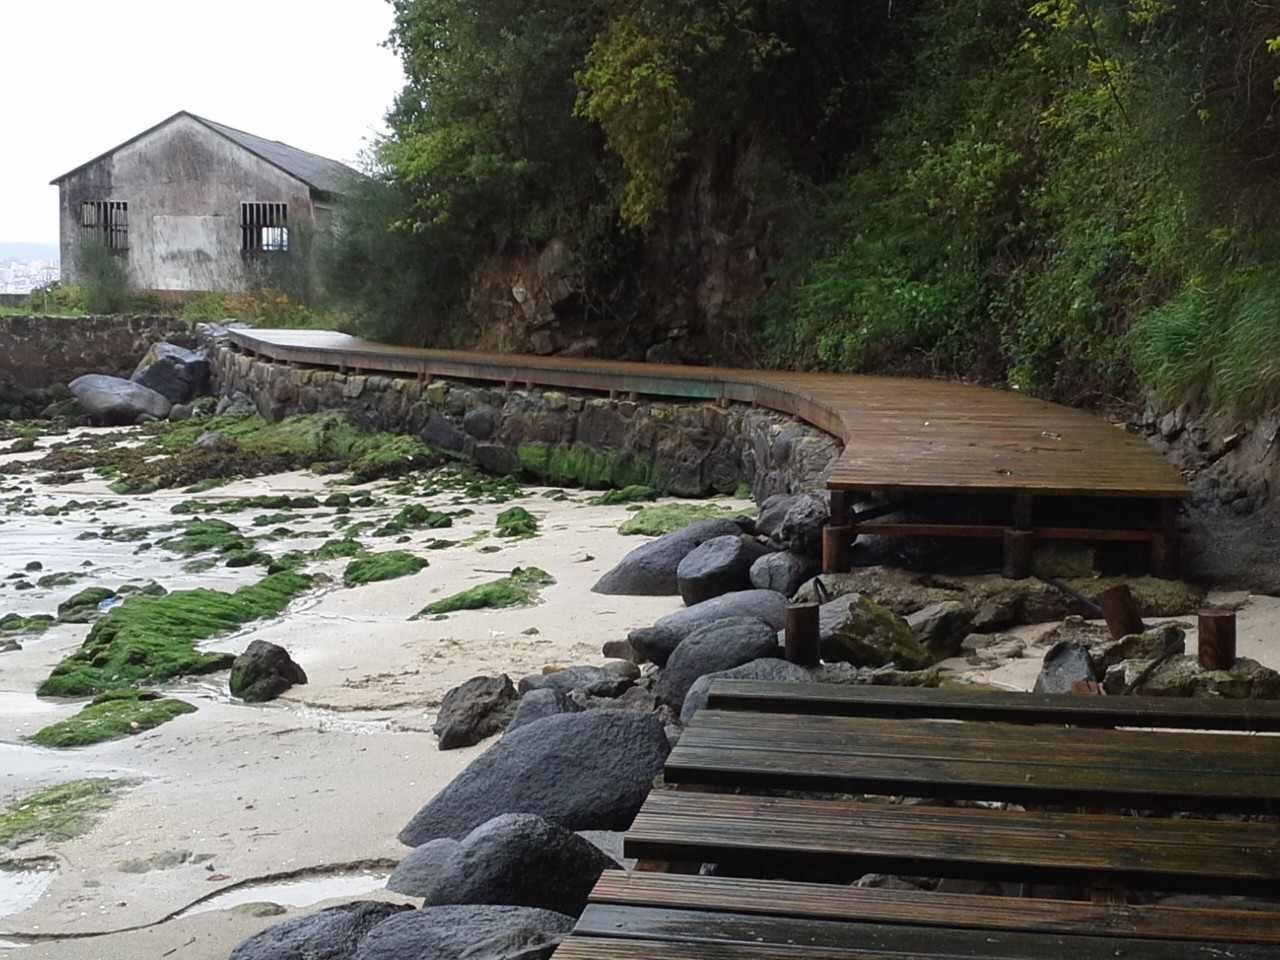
(78, 77)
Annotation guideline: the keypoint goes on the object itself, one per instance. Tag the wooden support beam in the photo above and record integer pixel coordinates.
(802, 640)
(1022, 511)
(1217, 631)
(841, 506)
(1164, 555)
(1018, 546)
(837, 544)
(1120, 610)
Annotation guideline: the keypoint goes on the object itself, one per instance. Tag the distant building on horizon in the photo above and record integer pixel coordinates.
(192, 205)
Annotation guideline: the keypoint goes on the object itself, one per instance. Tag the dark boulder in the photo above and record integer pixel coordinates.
(584, 771)
(592, 681)
(656, 643)
(263, 672)
(115, 401)
(517, 858)
(471, 931)
(781, 572)
(330, 934)
(474, 710)
(942, 627)
(176, 373)
(1065, 665)
(720, 565)
(766, 668)
(539, 704)
(650, 569)
(794, 522)
(715, 647)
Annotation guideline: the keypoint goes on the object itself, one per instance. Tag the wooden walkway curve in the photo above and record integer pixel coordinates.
(903, 437)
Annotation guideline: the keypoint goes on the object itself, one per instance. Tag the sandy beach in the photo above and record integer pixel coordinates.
(297, 802)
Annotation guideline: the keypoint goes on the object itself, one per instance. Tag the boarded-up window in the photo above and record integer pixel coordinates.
(106, 222)
(264, 227)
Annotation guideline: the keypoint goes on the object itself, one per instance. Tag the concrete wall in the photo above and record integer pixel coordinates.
(184, 184)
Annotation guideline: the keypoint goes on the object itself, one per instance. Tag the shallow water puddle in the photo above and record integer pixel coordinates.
(300, 892)
(355, 721)
(22, 883)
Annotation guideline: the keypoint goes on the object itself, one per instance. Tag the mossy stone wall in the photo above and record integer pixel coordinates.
(40, 355)
(687, 448)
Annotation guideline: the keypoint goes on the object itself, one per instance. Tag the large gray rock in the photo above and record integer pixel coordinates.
(176, 373)
(473, 932)
(794, 522)
(650, 569)
(781, 572)
(768, 668)
(757, 604)
(1065, 665)
(585, 771)
(720, 565)
(942, 627)
(539, 704)
(116, 401)
(330, 934)
(711, 649)
(474, 710)
(870, 635)
(593, 681)
(263, 672)
(517, 858)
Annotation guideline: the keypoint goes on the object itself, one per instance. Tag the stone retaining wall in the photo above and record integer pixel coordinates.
(40, 355)
(685, 448)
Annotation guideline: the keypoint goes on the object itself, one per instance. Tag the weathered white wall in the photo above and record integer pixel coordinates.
(184, 184)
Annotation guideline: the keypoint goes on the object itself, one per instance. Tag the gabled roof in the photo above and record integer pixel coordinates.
(320, 173)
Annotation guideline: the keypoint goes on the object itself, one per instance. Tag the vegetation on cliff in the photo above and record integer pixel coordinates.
(1076, 198)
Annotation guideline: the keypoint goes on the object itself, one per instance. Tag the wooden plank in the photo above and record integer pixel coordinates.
(664, 924)
(782, 834)
(980, 761)
(879, 905)
(1012, 706)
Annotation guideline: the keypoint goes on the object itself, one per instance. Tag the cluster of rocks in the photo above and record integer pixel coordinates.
(162, 386)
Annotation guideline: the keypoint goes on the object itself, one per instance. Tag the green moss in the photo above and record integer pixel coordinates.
(13, 623)
(475, 486)
(520, 587)
(414, 517)
(59, 579)
(382, 566)
(152, 639)
(275, 519)
(81, 605)
(240, 504)
(22, 445)
(246, 558)
(631, 494)
(112, 716)
(654, 521)
(199, 565)
(332, 549)
(208, 483)
(588, 467)
(199, 536)
(57, 813)
(516, 522)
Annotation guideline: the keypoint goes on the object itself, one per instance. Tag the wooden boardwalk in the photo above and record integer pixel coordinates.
(902, 437)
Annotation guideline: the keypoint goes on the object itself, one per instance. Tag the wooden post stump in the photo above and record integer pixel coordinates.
(1217, 630)
(1121, 611)
(1018, 546)
(837, 544)
(802, 640)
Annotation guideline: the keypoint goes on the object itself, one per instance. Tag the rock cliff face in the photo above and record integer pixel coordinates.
(682, 448)
(43, 354)
(694, 282)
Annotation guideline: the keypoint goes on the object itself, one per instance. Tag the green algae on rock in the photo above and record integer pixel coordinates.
(112, 716)
(414, 517)
(57, 813)
(520, 587)
(516, 522)
(655, 521)
(81, 606)
(382, 566)
(587, 466)
(199, 536)
(152, 639)
(38, 623)
(632, 494)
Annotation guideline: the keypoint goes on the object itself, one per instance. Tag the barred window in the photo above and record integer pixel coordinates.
(264, 227)
(105, 221)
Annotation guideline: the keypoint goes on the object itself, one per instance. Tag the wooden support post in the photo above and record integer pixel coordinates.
(528, 384)
(802, 641)
(1164, 544)
(632, 396)
(1022, 511)
(508, 385)
(723, 402)
(613, 394)
(837, 541)
(841, 507)
(1217, 629)
(1120, 610)
(1018, 545)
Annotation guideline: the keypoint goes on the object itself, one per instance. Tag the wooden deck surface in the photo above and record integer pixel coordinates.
(901, 435)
